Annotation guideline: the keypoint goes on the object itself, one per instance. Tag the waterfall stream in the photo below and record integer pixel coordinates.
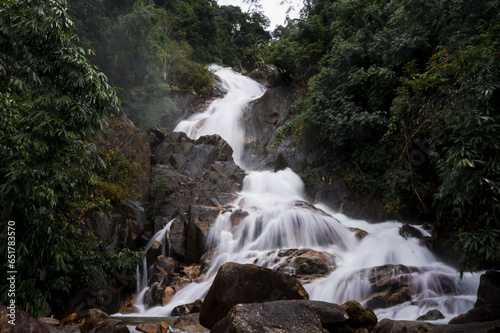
(278, 218)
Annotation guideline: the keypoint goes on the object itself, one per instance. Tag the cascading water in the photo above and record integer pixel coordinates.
(142, 268)
(276, 217)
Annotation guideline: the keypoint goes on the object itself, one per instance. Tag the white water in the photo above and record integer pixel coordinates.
(279, 218)
(224, 115)
(142, 269)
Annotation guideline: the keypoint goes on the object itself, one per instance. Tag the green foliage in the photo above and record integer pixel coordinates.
(458, 93)
(52, 100)
(424, 142)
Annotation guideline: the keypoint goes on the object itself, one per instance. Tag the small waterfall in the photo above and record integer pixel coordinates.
(271, 216)
(223, 116)
(142, 268)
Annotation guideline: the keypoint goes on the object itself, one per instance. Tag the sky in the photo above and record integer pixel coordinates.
(272, 9)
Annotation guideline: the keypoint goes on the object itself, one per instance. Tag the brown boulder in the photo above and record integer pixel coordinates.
(237, 283)
(147, 328)
(190, 323)
(98, 321)
(359, 317)
(431, 315)
(304, 264)
(185, 309)
(17, 321)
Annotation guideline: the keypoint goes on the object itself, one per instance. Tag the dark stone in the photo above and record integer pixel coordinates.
(273, 317)
(304, 264)
(97, 321)
(359, 317)
(189, 323)
(236, 283)
(407, 230)
(24, 322)
(487, 307)
(185, 309)
(392, 326)
(489, 289)
(431, 315)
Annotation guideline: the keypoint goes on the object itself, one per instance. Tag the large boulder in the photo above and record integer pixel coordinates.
(358, 316)
(17, 321)
(190, 323)
(97, 321)
(304, 264)
(487, 307)
(237, 283)
(273, 317)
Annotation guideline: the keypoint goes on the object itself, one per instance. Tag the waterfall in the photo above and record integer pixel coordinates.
(142, 268)
(277, 218)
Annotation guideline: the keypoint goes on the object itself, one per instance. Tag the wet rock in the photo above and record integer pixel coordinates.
(192, 181)
(390, 285)
(185, 309)
(237, 216)
(359, 232)
(236, 283)
(431, 315)
(263, 117)
(97, 321)
(190, 323)
(392, 326)
(164, 327)
(304, 264)
(163, 267)
(487, 306)
(273, 317)
(135, 219)
(359, 317)
(407, 230)
(24, 322)
(147, 328)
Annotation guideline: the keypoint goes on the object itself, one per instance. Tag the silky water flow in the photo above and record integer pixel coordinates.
(279, 218)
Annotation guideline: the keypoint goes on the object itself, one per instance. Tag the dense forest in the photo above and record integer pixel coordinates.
(400, 97)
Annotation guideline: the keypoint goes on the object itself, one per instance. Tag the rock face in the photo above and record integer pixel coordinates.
(487, 307)
(262, 119)
(273, 317)
(236, 283)
(192, 182)
(122, 137)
